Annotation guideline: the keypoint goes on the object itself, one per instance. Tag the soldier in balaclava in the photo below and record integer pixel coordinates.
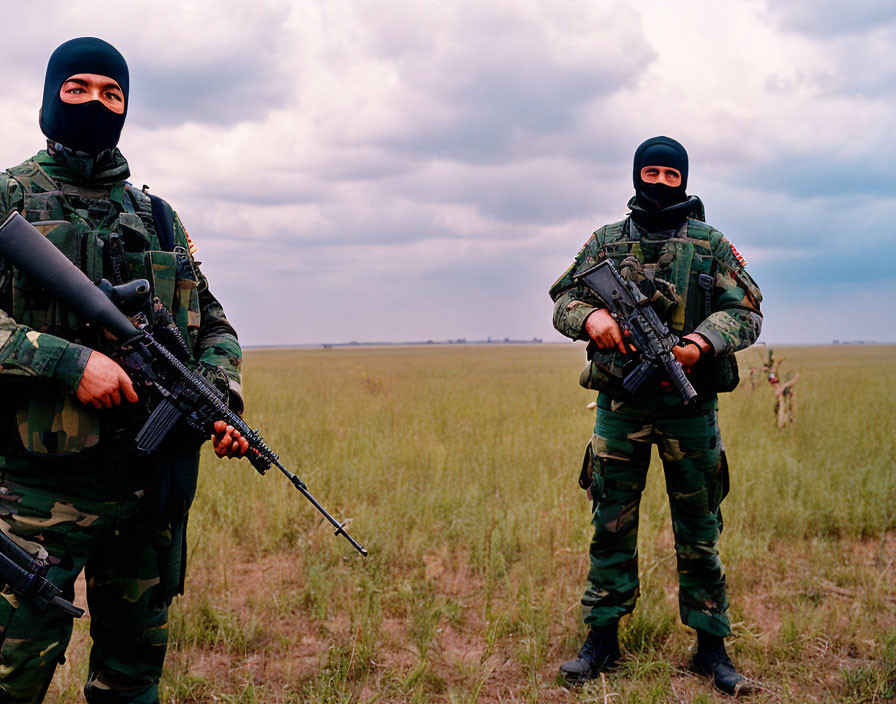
(73, 492)
(697, 283)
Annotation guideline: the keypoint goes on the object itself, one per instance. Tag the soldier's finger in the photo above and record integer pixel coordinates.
(107, 402)
(116, 398)
(232, 442)
(126, 385)
(96, 403)
(616, 337)
(220, 426)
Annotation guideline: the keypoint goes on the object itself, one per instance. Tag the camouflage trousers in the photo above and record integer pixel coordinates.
(696, 482)
(88, 516)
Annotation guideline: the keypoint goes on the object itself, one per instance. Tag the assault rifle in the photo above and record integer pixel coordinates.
(651, 338)
(26, 577)
(184, 394)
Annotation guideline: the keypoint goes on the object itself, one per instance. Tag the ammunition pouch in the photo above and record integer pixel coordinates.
(606, 371)
(35, 307)
(174, 281)
(173, 484)
(54, 425)
(715, 375)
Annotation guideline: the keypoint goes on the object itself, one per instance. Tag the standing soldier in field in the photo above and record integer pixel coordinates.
(73, 490)
(697, 283)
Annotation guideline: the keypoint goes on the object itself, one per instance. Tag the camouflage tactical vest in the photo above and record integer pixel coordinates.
(683, 260)
(107, 233)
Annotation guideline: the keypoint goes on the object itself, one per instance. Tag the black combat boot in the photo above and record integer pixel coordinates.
(711, 660)
(599, 653)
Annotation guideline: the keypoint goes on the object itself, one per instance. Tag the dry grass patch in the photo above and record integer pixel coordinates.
(458, 469)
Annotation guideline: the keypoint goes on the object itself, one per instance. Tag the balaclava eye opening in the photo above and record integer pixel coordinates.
(85, 127)
(660, 151)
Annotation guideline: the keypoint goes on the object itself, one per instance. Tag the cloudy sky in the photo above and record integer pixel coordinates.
(361, 170)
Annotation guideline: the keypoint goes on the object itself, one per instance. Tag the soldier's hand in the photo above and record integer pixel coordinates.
(689, 355)
(104, 383)
(604, 330)
(227, 441)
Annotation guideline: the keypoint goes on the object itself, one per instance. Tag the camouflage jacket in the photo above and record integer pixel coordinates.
(700, 284)
(105, 226)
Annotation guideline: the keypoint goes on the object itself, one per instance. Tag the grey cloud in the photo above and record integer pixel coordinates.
(368, 297)
(826, 175)
(335, 227)
(534, 192)
(855, 40)
(482, 94)
(363, 163)
(831, 18)
(260, 187)
(201, 66)
(212, 90)
(864, 67)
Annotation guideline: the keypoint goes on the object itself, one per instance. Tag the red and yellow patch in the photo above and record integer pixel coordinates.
(194, 248)
(190, 245)
(737, 255)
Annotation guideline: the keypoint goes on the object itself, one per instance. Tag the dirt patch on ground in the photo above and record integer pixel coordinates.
(485, 640)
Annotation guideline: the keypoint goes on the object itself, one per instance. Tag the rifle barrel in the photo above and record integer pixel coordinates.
(340, 527)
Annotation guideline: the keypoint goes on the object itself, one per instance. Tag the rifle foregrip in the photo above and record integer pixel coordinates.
(681, 381)
(67, 606)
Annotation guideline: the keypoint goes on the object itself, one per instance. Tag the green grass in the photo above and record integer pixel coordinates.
(457, 467)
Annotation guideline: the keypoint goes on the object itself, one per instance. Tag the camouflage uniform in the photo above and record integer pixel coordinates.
(72, 489)
(696, 281)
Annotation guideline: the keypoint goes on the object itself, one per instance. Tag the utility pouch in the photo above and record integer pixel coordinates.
(606, 370)
(173, 485)
(32, 305)
(187, 315)
(716, 375)
(175, 283)
(587, 474)
(51, 424)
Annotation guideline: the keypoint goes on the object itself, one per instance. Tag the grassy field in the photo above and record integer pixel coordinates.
(457, 467)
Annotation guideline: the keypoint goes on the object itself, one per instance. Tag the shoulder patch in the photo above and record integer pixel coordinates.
(192, 247)
(737, 255)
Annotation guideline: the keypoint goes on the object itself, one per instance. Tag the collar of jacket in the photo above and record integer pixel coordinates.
(81, 169)
(669, 219)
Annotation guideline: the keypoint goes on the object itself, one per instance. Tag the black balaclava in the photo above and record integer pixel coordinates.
(660, 151)
(84, 127)
(657, 207)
